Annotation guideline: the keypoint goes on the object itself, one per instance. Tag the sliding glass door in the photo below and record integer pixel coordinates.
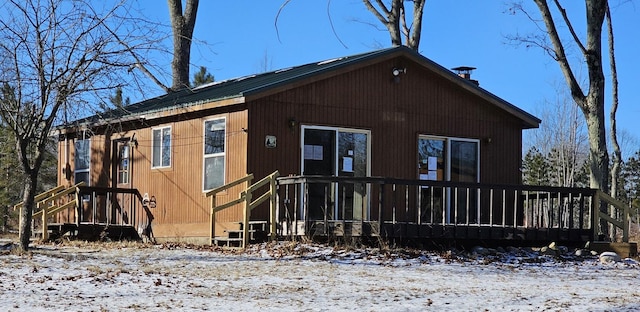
(330, 151)
(448, 159)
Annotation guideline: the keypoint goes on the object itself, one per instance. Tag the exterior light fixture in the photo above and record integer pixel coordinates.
(396, 73)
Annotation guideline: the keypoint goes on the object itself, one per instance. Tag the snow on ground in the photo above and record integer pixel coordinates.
(305, 277)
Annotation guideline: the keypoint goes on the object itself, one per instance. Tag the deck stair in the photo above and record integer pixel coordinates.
(258, 232)
(248, 201)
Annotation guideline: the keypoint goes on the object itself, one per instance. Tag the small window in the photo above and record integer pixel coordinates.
(214, 153)
(161, 148)
(82, 160)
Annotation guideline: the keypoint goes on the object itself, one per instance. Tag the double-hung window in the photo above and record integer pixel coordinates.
(214, 153)
(161, 147)
(82, 160)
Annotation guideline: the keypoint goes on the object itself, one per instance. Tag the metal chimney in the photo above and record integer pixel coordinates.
(465, 73)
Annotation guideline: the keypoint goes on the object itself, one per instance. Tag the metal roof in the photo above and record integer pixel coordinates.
(254, 84)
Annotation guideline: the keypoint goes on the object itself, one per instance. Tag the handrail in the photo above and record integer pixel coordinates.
(245, 197)
(47, 202)
(219, 189)
(42, 196)
(626, 213)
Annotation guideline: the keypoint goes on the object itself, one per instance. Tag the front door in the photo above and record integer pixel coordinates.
(336, 152)
(121, 178)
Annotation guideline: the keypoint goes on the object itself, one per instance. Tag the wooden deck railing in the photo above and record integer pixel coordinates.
(101, 205)
(246, 197)
(51, 202)
(616, 216)
(386, 200)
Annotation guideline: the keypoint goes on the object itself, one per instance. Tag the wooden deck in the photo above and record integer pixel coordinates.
(421, 212)
(93, 232)
(426, 234)
(90, 213)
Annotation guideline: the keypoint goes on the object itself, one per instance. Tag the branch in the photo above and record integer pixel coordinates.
(561, 57)
(331, 23)
(563, 12)
(139, 63)
(375, 11)
(275, 23)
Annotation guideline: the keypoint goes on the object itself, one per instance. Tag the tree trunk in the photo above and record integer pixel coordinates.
(182, 27)
(26, 212)
(592, 104)
(617, 154)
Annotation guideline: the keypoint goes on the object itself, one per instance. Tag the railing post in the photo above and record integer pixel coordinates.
(625, 224)
(45, 227)
(595, 214)
(273, 206)
(212, 220)
(246, 217)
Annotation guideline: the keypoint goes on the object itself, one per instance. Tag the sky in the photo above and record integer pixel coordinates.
(238, 38)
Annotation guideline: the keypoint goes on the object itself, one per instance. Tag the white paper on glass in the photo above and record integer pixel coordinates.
(308, 152)
(317, 152)
(347, 164)
(433, 163)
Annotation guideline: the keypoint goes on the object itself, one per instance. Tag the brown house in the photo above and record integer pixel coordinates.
(387, 113)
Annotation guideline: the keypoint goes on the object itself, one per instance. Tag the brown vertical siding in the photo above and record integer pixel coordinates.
(395, 112)
(421, 102)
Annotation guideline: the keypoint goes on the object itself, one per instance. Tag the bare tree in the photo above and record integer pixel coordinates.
(591, 102)
(55, 55)
(393, 17)
(562, 139)
(182, 26)
(617, 153)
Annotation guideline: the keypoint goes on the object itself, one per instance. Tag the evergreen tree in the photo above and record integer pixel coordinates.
(202, 77)
(535, 168)
(117, 100)
(10, 187)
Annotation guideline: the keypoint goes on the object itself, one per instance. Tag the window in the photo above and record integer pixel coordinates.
(214, 157)
(123, 164)
(161, 148)
(82, 161)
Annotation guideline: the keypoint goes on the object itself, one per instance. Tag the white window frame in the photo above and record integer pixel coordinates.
(123, 176)
(447, 170)
(336, 166)
(161, 129)
(447, 152)
(87, 170)
(206, 156)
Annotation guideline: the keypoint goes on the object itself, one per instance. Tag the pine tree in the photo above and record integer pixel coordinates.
(535, 168)
(202, 77)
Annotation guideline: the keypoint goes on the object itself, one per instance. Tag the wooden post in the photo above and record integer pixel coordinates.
(246, 217)
(595, 214)
(272, 206)
(212, 220)
(625, 224)
(45, 227)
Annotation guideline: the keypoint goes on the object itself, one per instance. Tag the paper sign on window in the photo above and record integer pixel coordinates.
(347, 164)
(313, 152)
(433, 163)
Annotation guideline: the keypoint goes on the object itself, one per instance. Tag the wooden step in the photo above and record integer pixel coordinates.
(227, 241)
